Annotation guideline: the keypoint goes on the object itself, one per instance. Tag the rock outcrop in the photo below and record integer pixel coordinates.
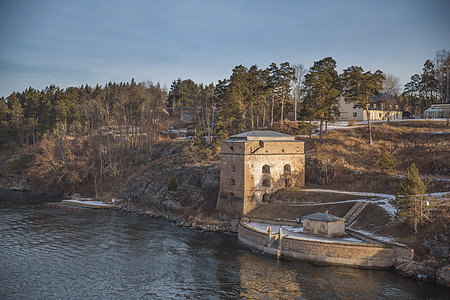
(443, 276)
(172, 184)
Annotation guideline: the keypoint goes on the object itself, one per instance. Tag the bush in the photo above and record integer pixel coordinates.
(305, 128)
(21, 163)
(172, 184)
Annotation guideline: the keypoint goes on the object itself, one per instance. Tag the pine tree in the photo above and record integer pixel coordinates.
(360, 87)
(386, 162)
(411, 203)
(322, 91)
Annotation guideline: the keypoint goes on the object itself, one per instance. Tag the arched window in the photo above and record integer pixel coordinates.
(266, 183)
(232, 182)
(322, 227)
(266, 169)
(287, 168)
(230, 196)
(232, 168)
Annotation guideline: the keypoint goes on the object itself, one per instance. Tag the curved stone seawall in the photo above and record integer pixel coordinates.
(322, 252)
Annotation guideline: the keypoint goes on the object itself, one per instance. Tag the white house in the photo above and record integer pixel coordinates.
(381, 107)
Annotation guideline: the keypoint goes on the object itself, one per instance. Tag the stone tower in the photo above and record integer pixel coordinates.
(255, 164)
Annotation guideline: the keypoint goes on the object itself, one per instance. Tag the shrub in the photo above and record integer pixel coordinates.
(172, 184)
(386, 162)
(21, 163)
(305, 128)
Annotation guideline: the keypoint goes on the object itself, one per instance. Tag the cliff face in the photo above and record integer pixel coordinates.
(196, 188)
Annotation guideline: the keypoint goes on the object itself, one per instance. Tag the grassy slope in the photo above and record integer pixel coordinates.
(352, 165)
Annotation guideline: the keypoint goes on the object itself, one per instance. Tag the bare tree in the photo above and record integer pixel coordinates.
(297, 86)
(442, 64)
(391, 85)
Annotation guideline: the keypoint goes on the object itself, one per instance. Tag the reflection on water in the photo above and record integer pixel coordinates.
(266, 279)
(52, 253)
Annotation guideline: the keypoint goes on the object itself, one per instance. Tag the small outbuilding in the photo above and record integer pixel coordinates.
(323, 224)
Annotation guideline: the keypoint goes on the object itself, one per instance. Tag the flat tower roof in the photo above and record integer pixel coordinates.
(258, 135)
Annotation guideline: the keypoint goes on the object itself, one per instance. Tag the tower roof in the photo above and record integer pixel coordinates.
(323, 217)
(257, 135)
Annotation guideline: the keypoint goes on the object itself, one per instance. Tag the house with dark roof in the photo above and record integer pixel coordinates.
(323, 224)
(381, 107)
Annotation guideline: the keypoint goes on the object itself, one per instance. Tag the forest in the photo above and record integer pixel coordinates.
(93, 137)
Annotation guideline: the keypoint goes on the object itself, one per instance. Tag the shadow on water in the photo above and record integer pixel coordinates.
(105, 254)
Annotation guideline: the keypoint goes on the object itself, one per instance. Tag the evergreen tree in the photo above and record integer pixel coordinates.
(360, 87)
(386, 162)
(411, 203)
(322, 90)
(285, 75)
(428, 83)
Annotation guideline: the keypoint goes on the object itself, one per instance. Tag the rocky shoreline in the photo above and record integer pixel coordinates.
(228, 227)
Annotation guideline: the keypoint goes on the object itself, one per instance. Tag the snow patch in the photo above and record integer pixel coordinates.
(297, 233)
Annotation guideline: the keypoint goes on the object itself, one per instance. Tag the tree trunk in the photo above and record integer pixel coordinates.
(271, 114)
(264, 116)
(295, 108)
(368, 124)
(282, 106)
(321, 131)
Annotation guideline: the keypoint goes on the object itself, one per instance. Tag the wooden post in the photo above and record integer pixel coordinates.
(280, 237)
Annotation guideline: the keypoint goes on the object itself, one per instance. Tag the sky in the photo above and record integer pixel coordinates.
(72, 43)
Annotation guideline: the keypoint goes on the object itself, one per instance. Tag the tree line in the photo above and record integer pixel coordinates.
(250, 98)
(430, 86)
(104, 130)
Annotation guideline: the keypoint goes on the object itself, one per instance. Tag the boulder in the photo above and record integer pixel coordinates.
(418, 270)
(443, 277)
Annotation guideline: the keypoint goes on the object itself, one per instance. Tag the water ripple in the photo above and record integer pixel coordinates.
(50, 253)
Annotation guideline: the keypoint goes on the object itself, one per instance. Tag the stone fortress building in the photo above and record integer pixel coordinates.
(255, 164)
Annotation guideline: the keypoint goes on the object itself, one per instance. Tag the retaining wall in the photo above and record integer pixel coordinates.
(374, 256)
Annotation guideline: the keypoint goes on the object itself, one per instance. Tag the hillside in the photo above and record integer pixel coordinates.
(345, 161)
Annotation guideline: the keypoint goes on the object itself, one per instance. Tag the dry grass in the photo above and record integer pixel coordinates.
(352, 164)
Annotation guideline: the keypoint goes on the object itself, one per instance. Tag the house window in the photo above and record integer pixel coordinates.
(355, 115)
(230, 196)
(232, 168)
(322, 227)
(232, 182)
(287, 182)
(266, 169)
(308, 225)
(266, 183)
(231, 148)
(266, 198)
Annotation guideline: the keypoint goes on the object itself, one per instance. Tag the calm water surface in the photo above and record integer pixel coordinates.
(49, 253)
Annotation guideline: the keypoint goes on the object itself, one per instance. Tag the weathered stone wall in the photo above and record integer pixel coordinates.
(328, 229)
(242, 176)
(322, 252)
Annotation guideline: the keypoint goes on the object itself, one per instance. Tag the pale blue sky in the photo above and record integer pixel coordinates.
(69, 43)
